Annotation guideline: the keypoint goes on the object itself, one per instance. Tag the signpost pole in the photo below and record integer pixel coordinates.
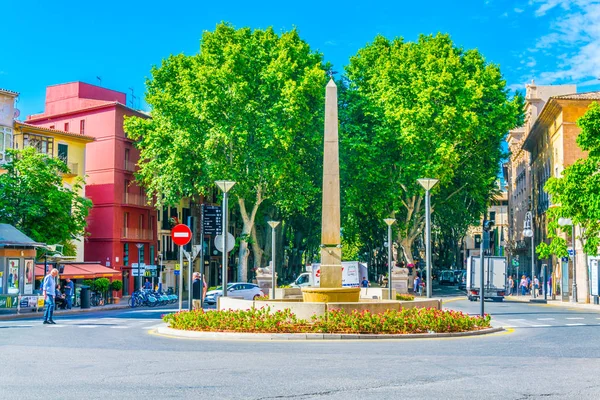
(202, 258)
(180, 277)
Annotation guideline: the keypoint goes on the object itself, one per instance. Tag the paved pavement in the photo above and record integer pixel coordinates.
(115, 353)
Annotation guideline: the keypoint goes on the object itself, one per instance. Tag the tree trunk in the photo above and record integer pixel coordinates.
(258, 251)
(246, 231)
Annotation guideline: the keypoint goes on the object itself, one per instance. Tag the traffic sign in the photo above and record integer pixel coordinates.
(177, 270)
(571, 252)
(219, 242)
(212, 220)
(181, 234)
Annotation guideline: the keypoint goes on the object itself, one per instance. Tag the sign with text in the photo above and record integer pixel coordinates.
(212, 220)
(181, 234)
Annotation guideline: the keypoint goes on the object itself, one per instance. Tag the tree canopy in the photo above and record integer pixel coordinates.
(247, 108)
(35, 201)
(421, 109)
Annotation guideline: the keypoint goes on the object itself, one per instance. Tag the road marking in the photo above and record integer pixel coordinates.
(576, 318)
(88, 326)
(518, 319)
(119, 327)
(58, 326)
(545, 319)
(575, 324)
(541, 326)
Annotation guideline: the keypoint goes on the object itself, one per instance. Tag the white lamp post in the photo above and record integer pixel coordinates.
(139, 247)
(567, 222)
(428, 184)
(225, 187)
(389, 222)
(273, 225)
(528, 232)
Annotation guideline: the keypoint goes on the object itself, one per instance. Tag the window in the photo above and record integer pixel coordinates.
(63, 152)
(492, 215)
(6, 142)
(125, 191)
(43, 144)
(82, 126)
(151, 254)
(126, 254)
(66, 127)
(141, 222)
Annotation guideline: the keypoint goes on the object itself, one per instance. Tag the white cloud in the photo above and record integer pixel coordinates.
(573, 42)
(518, 10)
(330, 43)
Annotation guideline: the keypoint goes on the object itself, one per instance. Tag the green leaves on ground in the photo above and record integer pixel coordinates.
(34, 199)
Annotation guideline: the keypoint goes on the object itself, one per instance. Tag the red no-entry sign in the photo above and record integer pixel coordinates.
(181, 234)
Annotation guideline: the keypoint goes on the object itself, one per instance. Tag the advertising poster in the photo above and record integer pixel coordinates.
(28, 276)
(13, 276)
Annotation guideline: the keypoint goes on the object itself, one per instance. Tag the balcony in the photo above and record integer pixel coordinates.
(73, 170)
(136, 200)
(137, 234)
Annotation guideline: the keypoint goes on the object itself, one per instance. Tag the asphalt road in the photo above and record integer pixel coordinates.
(549, 353)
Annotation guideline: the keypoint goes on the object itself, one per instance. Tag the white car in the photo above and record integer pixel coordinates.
(247, 291)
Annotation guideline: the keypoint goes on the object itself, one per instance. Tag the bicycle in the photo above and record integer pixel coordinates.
(96, 299)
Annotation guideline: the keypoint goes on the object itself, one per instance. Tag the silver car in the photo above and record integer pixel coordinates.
(247, 291)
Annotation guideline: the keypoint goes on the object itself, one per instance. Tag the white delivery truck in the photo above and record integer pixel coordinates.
(352, 274)
(494, 277)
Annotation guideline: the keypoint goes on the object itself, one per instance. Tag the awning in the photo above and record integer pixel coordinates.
(80, 271)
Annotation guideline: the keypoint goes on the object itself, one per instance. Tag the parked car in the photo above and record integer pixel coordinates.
(462, 280)
(447, 277)
(248, 291)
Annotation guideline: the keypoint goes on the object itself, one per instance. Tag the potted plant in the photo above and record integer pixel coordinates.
(101, 285)
(116, 286)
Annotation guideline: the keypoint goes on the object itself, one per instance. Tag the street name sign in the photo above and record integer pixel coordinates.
(212, 220)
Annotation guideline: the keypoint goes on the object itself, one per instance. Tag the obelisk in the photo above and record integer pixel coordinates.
(331, 251)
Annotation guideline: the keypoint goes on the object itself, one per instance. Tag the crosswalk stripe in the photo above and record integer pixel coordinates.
(574, 324)
(120, 327)
(576, 318)
(541, 326)
(545, 319)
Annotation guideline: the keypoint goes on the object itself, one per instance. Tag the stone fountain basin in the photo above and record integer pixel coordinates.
(305, 310)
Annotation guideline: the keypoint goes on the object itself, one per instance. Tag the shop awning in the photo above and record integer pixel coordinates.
(80, 271)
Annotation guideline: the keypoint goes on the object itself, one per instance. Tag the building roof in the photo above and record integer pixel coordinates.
(9, 92)
(40, 117)
(580, 96)
(11, 236)
(55, 131)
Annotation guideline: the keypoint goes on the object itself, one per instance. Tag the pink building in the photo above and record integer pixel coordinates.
(120, 218)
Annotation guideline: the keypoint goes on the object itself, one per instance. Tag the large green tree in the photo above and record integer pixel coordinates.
(34, 199)
(421, 109)
(247, 108)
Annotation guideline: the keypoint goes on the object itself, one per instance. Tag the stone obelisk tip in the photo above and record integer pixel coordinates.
(331, 83)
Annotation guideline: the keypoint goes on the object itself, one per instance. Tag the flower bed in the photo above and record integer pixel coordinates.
(404, 297)
(413, 320)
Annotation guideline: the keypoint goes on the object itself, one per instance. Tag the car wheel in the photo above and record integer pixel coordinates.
(256, 296)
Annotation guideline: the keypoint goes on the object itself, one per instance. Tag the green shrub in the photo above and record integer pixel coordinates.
(101, 285)
(413, 320)
(116, 285)
(89, 282)
(404, 297)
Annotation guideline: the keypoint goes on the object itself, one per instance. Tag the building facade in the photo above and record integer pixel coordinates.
(7, 115)
(122, 224)
(553, 147)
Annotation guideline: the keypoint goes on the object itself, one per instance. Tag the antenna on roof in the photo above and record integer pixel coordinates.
(99, 80)
(133, 97)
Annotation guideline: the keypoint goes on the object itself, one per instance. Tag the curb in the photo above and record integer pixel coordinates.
(8, 317)
(176, 333)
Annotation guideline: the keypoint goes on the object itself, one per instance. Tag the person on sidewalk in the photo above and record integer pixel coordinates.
(196, 299)
(69, 287)
(417, 285)
(523, 285)
(148, 285)
(365, 282)
(511, 285)
(536, 286)
(49, 289)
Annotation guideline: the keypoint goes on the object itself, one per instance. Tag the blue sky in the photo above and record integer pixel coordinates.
(51, 42)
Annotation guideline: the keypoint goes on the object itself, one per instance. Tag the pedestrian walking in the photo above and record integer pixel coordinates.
(417, 285)
(147, 284)
(196, 295)
(365, 282)
(49, 290)
(69, 287)
(528, 285)
(536, 286)
(523, 285)
(511, 284)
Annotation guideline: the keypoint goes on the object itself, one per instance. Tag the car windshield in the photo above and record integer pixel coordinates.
(229, 285)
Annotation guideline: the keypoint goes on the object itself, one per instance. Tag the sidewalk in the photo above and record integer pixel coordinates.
(554, 303)
(11, 314)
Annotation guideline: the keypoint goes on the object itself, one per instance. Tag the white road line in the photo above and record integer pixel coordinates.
(576, 318)
(119, 327)
(545, 319)
(541, 326)
(88, 326)
(575, 324)
(58, 326)
(518, 320)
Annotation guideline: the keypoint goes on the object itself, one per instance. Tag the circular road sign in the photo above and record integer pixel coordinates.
(219, 242)
(181, 234)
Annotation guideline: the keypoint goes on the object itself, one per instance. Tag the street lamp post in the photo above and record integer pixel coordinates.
(273, 225)
(528, 232)
(428, 184)
(139, 246)
(389, 222)
(567, 222)
(225, 187)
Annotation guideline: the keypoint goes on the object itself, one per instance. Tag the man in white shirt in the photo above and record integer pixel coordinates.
(49, 288)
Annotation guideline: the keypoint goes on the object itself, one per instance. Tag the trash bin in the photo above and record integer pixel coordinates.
(84, 297)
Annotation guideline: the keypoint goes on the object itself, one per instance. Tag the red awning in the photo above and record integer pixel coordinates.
(81, 271)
